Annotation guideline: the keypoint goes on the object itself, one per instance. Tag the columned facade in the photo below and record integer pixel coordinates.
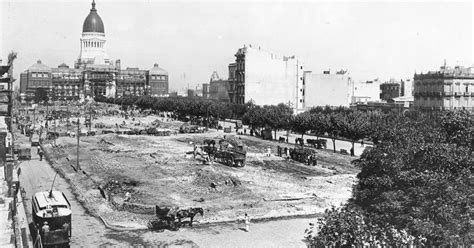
(93, 41)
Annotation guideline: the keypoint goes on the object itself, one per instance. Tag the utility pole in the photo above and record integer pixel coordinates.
(90, 118)
(68, 123)
(207, 118)
(47, 117)
(78, 134)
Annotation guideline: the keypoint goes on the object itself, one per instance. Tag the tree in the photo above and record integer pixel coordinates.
(318, 123)
(333, 127)
(301, 123)
(414, 186)
(354, 126)
(278, 117)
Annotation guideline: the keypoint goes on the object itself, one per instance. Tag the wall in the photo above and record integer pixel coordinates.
(272, 79)
(327, 89)
(23, 82)
(368, 90)
(219, 90)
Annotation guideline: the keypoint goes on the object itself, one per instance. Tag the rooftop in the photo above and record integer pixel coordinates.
(39, 66)
(43, 198)
(156, 70)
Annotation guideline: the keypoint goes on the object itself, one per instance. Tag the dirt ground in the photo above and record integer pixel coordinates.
(161, 170)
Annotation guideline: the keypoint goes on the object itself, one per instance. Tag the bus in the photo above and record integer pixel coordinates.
(52, 208)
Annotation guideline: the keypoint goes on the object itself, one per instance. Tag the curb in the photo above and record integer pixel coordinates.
(212, 223)
(120, 228)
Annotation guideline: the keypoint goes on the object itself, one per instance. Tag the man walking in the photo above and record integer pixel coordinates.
(246, 222)
(40, 153)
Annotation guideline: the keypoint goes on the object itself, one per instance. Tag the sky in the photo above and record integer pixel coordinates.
(191, 39)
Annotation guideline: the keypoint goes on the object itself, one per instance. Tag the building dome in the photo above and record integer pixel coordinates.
(156, 70)
(93, 22)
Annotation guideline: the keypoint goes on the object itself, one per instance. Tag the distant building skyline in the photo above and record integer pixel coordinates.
(370, 39)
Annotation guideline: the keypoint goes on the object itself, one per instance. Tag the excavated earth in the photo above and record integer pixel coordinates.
(161, 170)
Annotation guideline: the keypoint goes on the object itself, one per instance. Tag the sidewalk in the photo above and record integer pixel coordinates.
(7, 237)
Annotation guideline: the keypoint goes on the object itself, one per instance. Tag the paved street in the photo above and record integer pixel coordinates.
(86, 230)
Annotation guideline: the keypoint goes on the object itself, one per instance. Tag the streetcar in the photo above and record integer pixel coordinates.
(52, 213)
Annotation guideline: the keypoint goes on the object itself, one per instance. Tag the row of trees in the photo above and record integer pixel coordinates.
(415, 186)
(181, 106)
(335, 123)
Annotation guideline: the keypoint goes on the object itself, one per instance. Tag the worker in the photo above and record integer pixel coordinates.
(128, 196)
(45, 228)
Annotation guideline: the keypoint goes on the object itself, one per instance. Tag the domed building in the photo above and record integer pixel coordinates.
(94, 73)
(93, 41)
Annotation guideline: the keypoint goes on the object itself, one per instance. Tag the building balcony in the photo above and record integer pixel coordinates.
(448, 93)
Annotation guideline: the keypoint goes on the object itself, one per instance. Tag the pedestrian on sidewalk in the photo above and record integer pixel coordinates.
(246, 222)
(40, 153)
(269, 151)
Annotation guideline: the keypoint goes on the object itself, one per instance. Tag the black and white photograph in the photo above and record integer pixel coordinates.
(236, 123)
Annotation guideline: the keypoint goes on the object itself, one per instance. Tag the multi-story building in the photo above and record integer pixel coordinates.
(218, 88)
(37, 76)
(131, 81)
(390, 90)
(6, 105)
(205, 91)
(365, 91)
(406, 87)
(326, 89)
(448, 88)
(266, 78)
(232, 79)
(67, 83)
(94, 73)
(158, 81)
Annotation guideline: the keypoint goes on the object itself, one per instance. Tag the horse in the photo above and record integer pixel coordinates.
(209, 142)
(188, 213)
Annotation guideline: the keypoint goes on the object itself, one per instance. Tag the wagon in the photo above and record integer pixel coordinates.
(231, 153)
(24, 153)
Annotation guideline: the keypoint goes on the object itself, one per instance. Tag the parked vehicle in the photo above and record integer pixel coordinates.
(24, 153)
(191, 129)
(35, 141)
(231, 152)
(303, 155)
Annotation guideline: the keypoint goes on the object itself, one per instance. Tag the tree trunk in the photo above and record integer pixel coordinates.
(334, 144)
(352, 150)
(276, 135)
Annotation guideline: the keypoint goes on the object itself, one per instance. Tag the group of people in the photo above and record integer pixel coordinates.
(284, 151)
